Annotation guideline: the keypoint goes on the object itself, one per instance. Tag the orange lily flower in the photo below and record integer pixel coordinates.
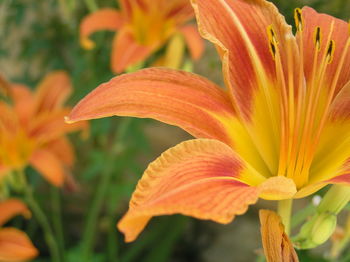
(32, 129)
(279, 131)
(14, 244)
(143, 27)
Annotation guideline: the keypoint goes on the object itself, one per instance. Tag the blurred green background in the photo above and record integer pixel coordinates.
(39, 36)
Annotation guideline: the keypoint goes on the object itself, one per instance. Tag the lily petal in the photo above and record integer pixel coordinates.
(103, 19)
(50, 126)
(127, 52)
(12, 207)
(53, 91)
(193, 40)
(340, 36)
(196, 178)
(49, 166)
(174, 97)
(277, 245)
(63, 150)
(15, 246)
(24, 102)
(340, 109)
(178, 10)
(174, 52)
(239, 30)
(343, 178)
(277, 188)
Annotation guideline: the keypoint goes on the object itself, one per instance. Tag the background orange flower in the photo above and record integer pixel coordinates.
(143, 27)
(33, 130)
(14, 244)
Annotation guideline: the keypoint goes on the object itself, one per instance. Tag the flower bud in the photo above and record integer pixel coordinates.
(316, 231)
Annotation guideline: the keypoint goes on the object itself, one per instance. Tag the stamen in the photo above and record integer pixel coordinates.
(272, 41)
(298, 19)
(330, 51)
(308, 139)
(301, 99)
(317, 38)
(331, 93)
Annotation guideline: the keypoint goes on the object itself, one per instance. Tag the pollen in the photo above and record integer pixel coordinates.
(272, 41)
(330, 51)
(317, 38)
(298, 19)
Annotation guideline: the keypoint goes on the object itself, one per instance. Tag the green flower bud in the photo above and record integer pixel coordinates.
(316, 231)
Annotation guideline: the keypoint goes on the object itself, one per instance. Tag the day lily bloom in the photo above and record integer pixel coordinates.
(143, 27)
(33, 131)
(14, 244)
(277, 246)
(279, 131)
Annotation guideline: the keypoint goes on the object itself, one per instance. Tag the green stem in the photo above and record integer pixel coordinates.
(285, 210)
(335, 199)
(44, 223)
(91, 5)
(96, 206)
(112, 240)
(57, 219)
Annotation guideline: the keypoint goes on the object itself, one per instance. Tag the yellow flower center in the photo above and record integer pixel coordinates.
(15, 149)
(150, 27)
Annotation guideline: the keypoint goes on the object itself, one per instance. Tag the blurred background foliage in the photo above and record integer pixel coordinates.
(39, 36)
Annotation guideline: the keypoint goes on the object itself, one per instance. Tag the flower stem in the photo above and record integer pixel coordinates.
(57, 219)
(284, 209)
(44, 223)
(96, 206)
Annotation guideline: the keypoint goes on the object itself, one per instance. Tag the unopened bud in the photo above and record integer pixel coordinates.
(316, 231)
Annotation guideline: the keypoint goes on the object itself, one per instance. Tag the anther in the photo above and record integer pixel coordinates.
(298, 19)
(330, 51)
(317, 38)
(273, 50)
(272, 41)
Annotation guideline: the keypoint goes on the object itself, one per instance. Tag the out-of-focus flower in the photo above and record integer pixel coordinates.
(279, 131)
(14, 244)
(277, 246)
(143, 27)
(32, 129)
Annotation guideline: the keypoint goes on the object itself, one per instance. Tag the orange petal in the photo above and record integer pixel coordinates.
(125, 6)
(63, 150)
(53, 91)
(277, 188)
(340, 35)
(10, 208)
(277, 245)
(196, 178)
(174, 97)
(127, 52)
(8, 118)
(340, 109)
(15, 246)
(193, 40)
(343, 179)
(24, 102)
(239, 30)
(103, 19)
(49, 166)
(50, 126)
(178, 10)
